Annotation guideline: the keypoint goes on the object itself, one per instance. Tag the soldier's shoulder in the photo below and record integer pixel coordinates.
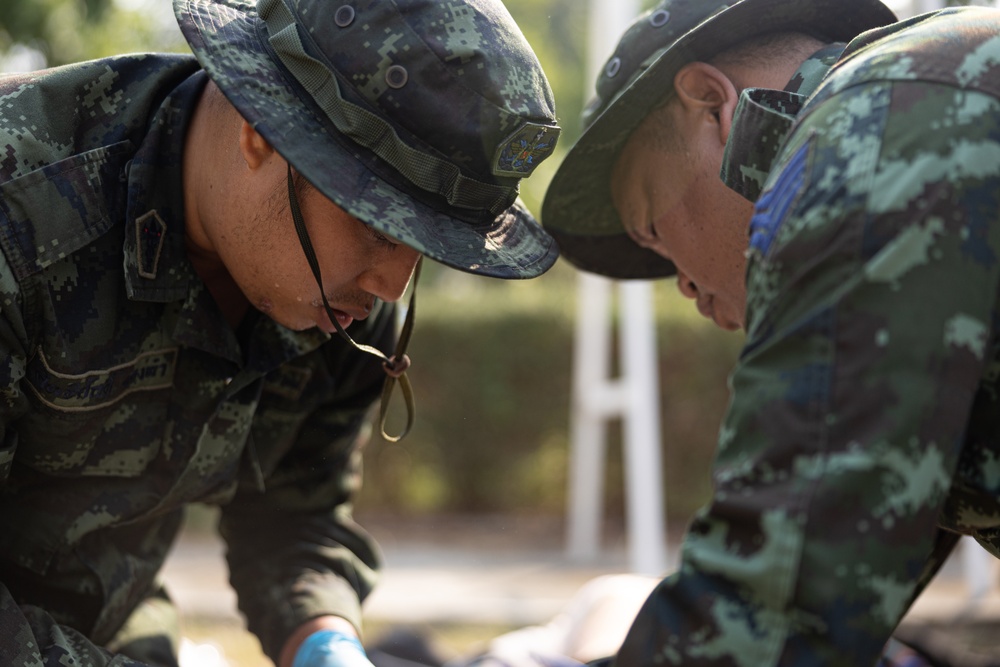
(66, 137)
(55, 210)
(955, 46)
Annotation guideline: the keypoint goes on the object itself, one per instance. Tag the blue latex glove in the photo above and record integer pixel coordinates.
(329, 648)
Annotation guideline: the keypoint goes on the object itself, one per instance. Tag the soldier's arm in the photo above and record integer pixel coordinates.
(872, 294)
(295, 553)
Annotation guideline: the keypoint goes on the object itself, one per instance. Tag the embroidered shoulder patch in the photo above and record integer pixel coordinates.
(150, 232)
(521, 152)
(775, 204)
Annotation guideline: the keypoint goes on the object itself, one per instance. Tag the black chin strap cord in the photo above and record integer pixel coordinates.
(394, 366)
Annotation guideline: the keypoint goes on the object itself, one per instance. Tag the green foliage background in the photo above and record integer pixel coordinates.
(492, 365)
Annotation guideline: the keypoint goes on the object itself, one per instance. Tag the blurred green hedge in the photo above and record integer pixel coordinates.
(492, 362)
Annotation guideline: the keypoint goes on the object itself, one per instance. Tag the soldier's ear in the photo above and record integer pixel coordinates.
(254, 148)
(708, 94)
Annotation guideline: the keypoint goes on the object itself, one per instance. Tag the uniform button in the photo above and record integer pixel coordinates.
(344, 16)
(396, 76)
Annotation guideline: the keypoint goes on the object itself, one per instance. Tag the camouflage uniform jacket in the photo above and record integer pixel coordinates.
(863, 434)
(126, 395)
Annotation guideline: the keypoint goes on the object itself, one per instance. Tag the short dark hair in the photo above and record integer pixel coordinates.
(767, 49)
(760, 51)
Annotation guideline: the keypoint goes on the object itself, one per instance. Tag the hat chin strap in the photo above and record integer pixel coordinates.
(394, 366)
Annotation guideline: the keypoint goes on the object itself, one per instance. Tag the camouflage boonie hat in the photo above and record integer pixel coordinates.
(418, 117)
(578, 210)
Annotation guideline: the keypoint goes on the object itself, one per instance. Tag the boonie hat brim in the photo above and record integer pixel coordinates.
(231, 43)
(578, 210)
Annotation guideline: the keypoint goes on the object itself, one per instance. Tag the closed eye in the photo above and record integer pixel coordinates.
(382, 239)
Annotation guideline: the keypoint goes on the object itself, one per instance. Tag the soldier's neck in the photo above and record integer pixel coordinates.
(200, 173)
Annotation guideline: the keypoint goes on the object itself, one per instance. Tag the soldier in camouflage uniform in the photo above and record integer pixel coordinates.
(181, 241)
(841, 203)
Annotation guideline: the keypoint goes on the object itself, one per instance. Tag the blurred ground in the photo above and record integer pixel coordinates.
(463, 580)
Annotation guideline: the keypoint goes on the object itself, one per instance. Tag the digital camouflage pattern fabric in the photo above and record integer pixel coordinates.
(125, 395)
(762, 120)
(861, 439)
(400, 111)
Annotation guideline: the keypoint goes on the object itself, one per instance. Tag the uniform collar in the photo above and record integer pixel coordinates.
(156, 263)
(762, 120)
(157, 267)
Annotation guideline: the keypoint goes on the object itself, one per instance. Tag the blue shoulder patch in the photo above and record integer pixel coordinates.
(776, 203)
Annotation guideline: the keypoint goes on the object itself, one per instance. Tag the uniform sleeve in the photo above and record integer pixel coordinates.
(294, 550)
(13, 361)
(872, 292)
(28, 635)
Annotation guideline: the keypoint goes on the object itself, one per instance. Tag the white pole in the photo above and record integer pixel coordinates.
(644, 481)
(596, 396)
(588, 428)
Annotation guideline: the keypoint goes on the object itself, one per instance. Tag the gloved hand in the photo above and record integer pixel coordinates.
(330, 648)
